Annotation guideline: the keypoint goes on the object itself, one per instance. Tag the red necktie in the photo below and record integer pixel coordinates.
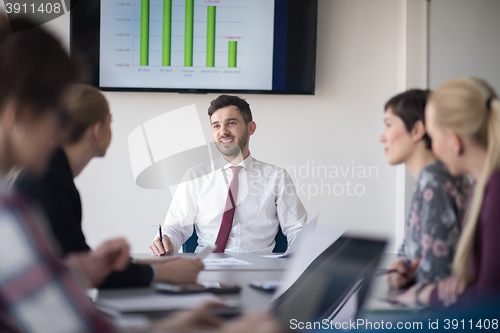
(227, 218)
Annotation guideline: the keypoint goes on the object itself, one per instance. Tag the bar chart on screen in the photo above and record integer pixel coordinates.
(207, 44)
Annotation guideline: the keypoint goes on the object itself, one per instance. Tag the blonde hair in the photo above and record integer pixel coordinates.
(86, 106)
(470, 107)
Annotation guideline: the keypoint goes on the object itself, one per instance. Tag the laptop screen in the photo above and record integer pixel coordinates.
(338, 276)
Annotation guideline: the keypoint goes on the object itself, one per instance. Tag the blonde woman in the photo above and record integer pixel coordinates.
(463, 120)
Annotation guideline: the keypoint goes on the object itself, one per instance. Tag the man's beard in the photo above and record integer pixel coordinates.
(240, 144)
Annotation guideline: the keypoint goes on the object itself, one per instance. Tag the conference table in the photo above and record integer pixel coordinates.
(249, 299)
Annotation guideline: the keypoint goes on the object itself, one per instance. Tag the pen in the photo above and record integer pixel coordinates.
(161, 236)
(387, 271)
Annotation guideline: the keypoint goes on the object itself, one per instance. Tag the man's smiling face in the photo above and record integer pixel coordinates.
(230, 132)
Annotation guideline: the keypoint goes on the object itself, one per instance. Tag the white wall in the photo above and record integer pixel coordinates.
(464, 40)
(359, 67)
(412, 73)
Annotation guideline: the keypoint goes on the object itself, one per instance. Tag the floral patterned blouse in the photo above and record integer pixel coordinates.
(433, 225)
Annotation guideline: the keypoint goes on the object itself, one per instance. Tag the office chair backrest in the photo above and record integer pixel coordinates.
(190, 245)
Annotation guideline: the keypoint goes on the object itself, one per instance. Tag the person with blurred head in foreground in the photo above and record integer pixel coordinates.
(437, 205)
(89, 136)
(463, 120)
(38, 292)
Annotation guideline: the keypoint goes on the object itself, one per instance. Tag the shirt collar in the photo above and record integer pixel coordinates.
(247, 163)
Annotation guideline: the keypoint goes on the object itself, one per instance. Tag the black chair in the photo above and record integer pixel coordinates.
(190, 245)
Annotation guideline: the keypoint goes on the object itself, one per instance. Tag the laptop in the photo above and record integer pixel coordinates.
(333, 287)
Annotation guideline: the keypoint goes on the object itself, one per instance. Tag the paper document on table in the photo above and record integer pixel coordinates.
(224, 262)
(157, 302)
(279, 255)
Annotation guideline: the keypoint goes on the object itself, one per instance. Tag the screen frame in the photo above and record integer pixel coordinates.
(300, 50)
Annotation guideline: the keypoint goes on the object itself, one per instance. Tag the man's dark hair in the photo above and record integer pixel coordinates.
(410, 107)
(227, 100)
(35, 70)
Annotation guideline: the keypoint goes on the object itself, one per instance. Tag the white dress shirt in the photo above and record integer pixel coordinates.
(266, 198)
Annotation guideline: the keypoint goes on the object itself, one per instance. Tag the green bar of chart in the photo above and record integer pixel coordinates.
(167, 33)
(233, 49)
(211, 36)
(144, 33)
(161, 35)
(188, 34)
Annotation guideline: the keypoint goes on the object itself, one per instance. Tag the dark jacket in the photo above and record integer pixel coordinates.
(57, 194)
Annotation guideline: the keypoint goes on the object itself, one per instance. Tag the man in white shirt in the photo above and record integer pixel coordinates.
(239, 213)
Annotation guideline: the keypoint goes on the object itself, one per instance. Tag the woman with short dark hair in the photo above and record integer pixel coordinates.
(437, 205)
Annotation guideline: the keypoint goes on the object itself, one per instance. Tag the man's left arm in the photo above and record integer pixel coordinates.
(291, 213)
